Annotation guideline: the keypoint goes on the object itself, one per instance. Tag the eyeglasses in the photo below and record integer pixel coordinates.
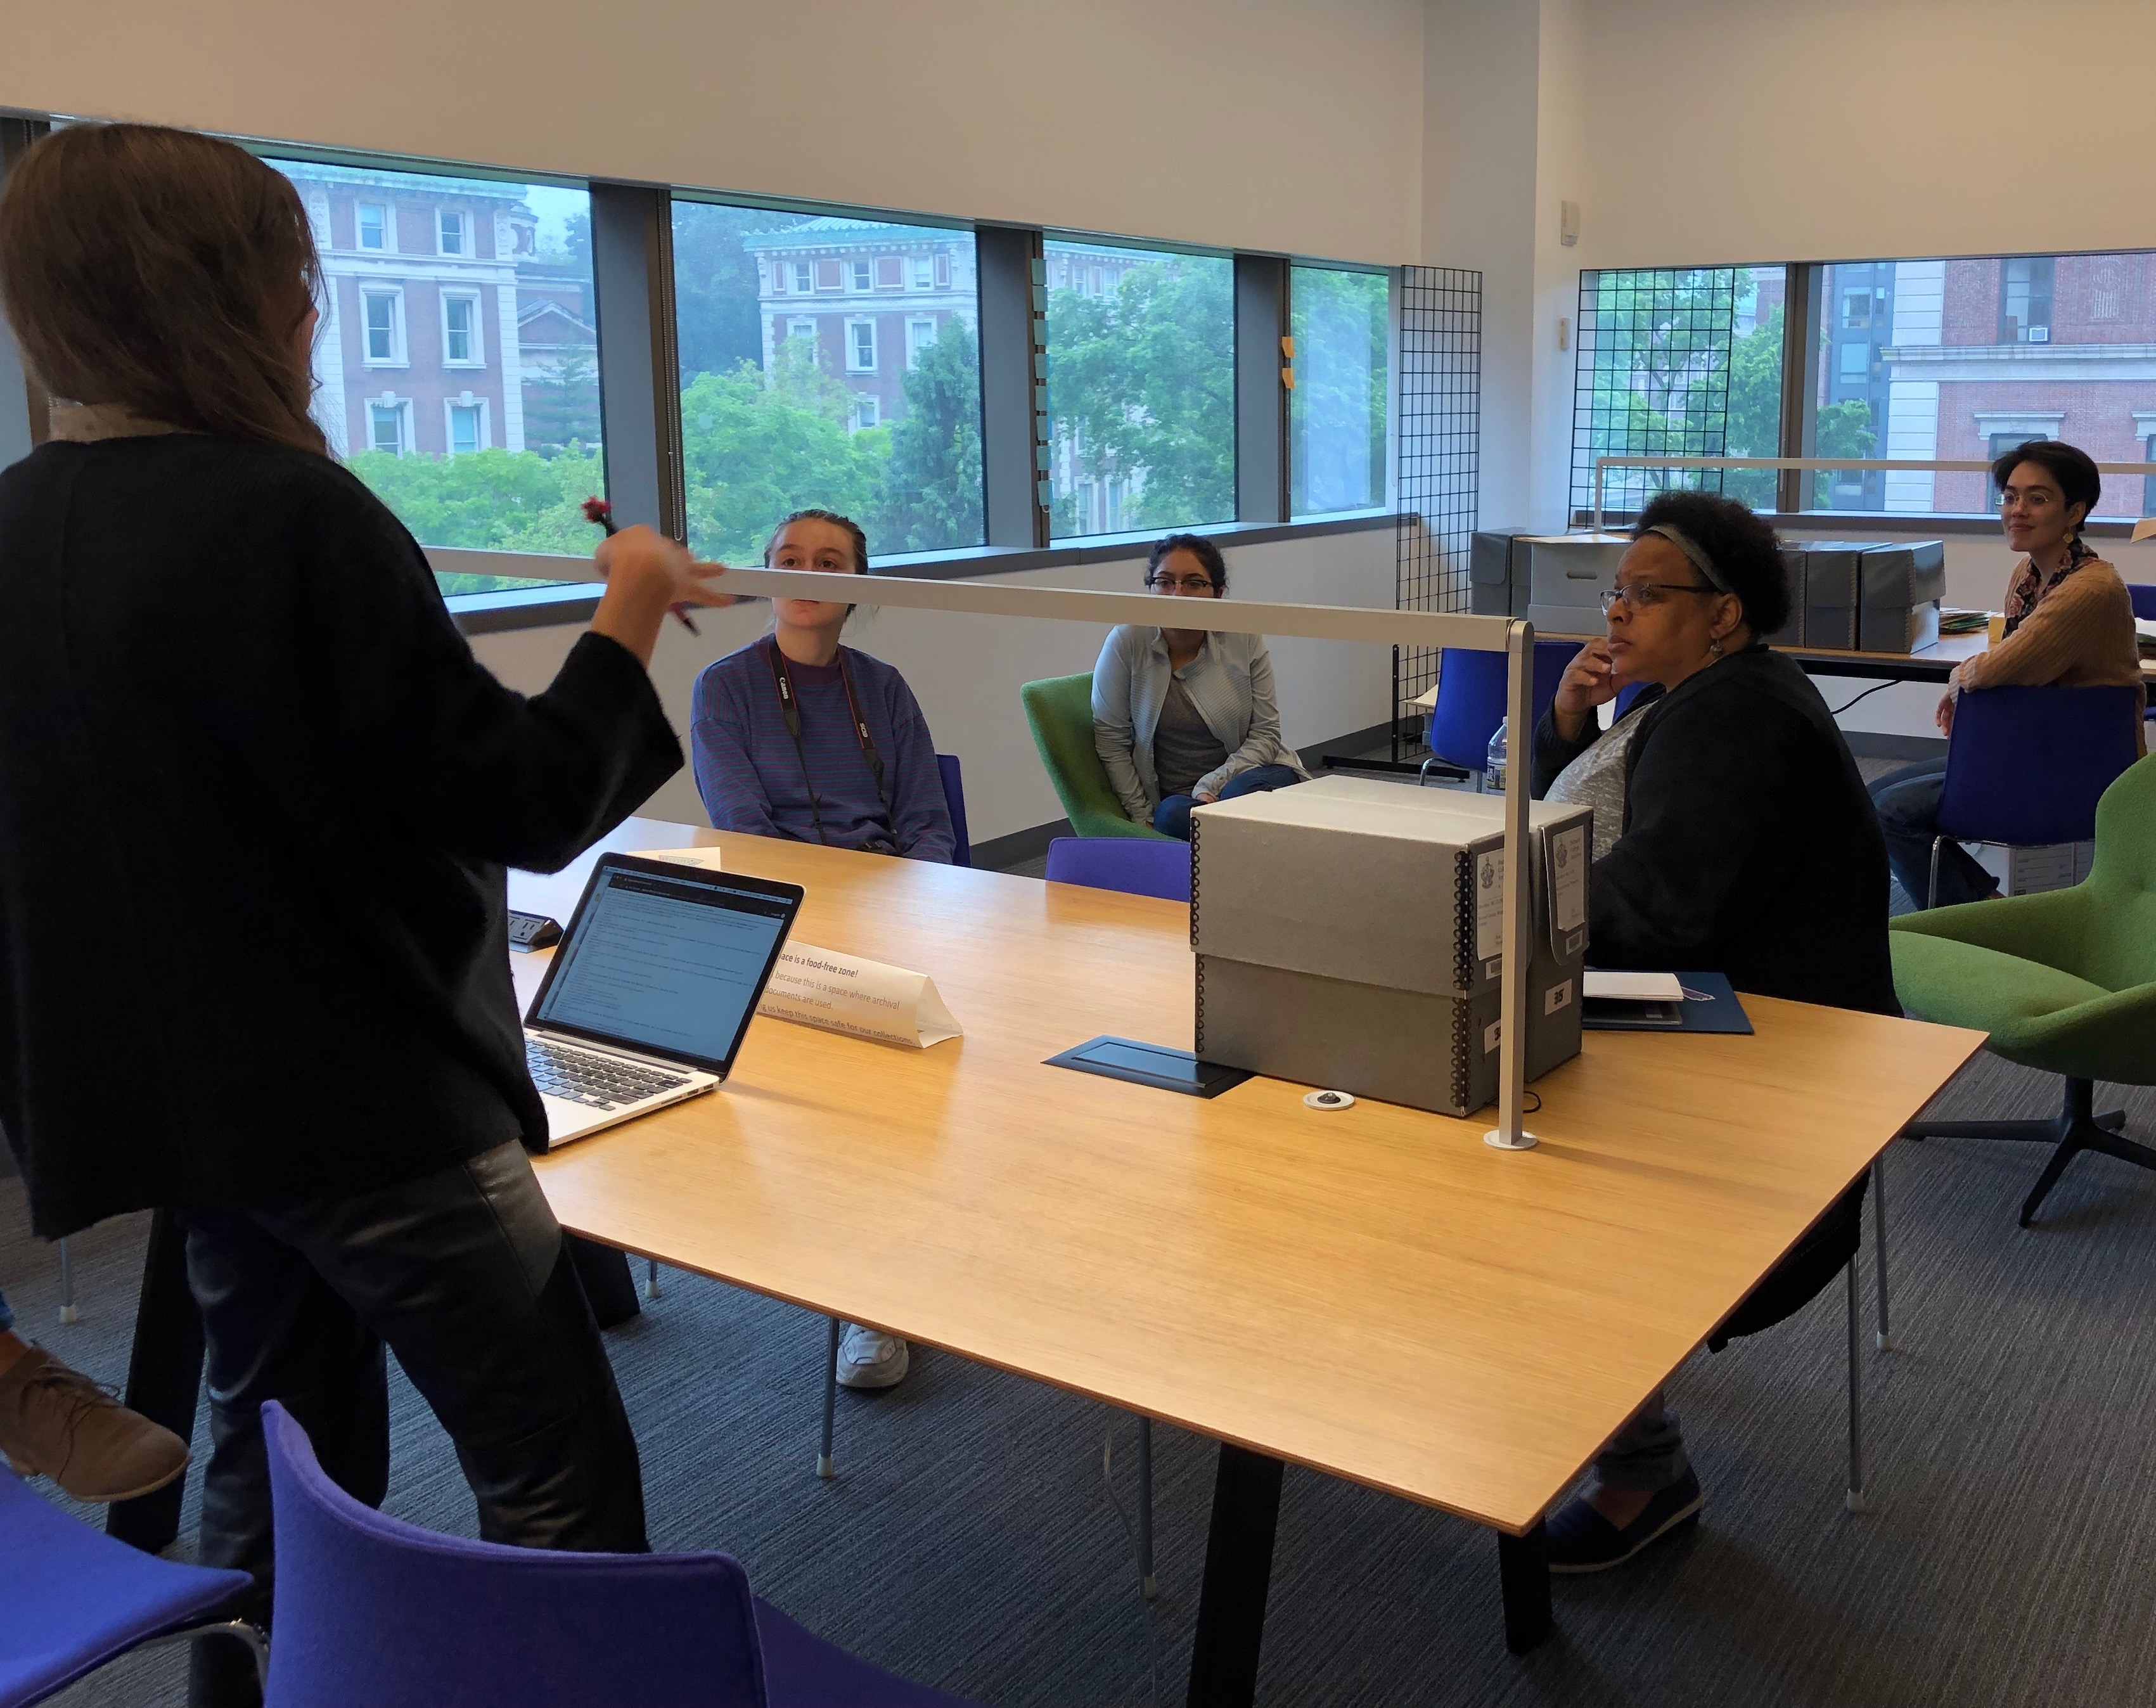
(1644, 596)
(1186, 584)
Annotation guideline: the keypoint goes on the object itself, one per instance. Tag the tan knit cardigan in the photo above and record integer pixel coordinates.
(2078, 634)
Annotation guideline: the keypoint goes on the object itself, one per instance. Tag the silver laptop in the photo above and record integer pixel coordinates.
(651, 990)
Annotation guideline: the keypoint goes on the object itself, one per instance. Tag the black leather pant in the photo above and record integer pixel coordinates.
(465, 1275)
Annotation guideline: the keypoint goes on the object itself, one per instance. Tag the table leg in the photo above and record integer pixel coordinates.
(1239, 1569)
(1523, 1580)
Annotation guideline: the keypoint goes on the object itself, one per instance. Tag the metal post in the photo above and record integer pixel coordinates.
(824, 1468)
(1147, 1582)
(1886, 1336)
(69, 1314)
(1509, 1135)
(651, 1280)
(1855, 1498)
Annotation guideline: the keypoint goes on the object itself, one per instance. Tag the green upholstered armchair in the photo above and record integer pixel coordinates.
(2064, 981)
(1060, 710)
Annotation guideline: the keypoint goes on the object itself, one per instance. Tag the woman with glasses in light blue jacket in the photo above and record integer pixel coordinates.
(1183, 717)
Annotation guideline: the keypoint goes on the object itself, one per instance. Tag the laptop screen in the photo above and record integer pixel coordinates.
(666, 959)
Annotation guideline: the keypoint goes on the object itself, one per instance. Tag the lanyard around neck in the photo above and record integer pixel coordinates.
(789, 707)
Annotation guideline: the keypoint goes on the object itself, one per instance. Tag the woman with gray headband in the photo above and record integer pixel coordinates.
(1746, 845)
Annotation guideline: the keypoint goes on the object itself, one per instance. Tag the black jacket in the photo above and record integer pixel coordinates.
(256, 795)
(1750, 847)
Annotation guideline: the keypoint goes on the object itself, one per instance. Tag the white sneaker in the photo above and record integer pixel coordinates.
(869, 1358)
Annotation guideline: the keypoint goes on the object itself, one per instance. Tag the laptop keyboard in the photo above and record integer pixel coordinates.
(594, 1080)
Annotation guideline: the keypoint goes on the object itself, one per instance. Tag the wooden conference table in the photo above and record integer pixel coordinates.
(1374, 1293)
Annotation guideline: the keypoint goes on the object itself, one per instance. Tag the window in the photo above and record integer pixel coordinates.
(1142, 372)
(860, 346)
(1341, 322)
(890, 272)
(1677, 362)
(389, 426)
(943, 272)
(1953, 376)
(924, 273)
(859, 272)
(382, 317)
(536, 408)
(772, 416)
(2025, 299)
(1855, 361)
(460, 333)
(920, 334)
(467, 426)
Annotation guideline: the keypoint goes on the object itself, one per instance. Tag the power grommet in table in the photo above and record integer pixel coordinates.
(1328, 1100)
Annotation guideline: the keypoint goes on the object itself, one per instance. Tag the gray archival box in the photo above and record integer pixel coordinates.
(1349, 935)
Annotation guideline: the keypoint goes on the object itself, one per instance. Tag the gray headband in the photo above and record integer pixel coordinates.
(1700, 560)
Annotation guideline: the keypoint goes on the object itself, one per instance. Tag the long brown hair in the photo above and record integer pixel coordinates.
(165, 271)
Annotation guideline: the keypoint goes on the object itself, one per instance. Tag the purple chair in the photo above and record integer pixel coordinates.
(2026, 766)
(2144, 595)
(72, 1598)
(373, 1612)
(1161, 868)
(954, 797)
(1471, 701)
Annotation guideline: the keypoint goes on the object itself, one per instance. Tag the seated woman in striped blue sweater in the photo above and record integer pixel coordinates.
(798, 737)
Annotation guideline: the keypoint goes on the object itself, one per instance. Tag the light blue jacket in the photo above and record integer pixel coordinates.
(1231, 682)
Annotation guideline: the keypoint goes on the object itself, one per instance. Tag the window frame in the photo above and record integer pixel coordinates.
(855, 324)
(477, 403)
(401, 409)
(400, 354)
(467, 233)
(473, 295)
(387, 229)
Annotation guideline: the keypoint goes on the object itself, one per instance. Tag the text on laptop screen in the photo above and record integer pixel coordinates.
(669, 965)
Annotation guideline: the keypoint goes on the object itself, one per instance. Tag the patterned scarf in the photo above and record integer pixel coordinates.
(2030, 584)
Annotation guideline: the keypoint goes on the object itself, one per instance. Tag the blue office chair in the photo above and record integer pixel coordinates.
(72, 1598)
(954, 797)
(1471, 702)
(1161, 868)
(2144, 595)
(373, 1612)
(2025, 765)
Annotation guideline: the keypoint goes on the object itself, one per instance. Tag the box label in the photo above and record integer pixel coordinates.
(1565, 860)
(1490, 1036)
(1489, 904)
(1557, 996)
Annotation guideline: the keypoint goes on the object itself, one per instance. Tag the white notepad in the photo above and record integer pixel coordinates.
(1632, 987)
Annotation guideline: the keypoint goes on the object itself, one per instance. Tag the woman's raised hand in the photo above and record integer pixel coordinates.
(646, 557)
(1590, 680)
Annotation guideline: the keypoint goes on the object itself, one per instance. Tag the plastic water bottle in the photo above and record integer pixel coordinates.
(1493, 762)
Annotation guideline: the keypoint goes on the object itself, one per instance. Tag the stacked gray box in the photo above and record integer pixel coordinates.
(1792, 633)
(1901, 586)
(1833, 583)
(1566, 576)
(1498, 573)
(1349, 935)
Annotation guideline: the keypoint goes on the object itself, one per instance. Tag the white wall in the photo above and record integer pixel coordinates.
(966, 670)
(1267, 124)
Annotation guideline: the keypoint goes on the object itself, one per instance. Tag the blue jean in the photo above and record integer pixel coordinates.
(1173, 815)
(1908, 803)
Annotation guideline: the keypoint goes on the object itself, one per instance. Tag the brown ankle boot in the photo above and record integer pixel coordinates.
(56, 1422)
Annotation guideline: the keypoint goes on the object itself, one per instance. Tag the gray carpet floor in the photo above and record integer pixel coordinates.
(970, 1539)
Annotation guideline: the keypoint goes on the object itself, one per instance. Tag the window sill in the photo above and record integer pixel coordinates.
(1884, 521)
(573, 601)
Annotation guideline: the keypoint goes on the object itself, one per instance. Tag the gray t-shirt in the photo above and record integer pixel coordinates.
(1183, 750)
(1596, 779)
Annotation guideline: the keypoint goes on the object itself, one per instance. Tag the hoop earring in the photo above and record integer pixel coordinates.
(1714, 648)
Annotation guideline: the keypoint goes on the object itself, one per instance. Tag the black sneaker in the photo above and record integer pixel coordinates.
(1582, 1540)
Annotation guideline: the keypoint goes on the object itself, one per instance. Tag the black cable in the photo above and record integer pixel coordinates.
(1838, 711)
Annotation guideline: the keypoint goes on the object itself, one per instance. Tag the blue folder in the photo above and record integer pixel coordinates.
(1709, 1005)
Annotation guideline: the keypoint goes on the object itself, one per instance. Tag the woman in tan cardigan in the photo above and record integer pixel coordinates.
(2069, 624)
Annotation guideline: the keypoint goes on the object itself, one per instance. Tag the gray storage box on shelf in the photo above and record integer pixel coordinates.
(1792, 633)
(1349, 935)
(1498, 573)
(1566, 576)
(1833, 584)
(1901, 585)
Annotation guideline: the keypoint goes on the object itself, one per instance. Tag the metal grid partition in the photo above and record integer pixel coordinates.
(1652, 377)
(1441, 393)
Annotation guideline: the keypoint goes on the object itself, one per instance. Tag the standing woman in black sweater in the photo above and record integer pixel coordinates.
(256, 796)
